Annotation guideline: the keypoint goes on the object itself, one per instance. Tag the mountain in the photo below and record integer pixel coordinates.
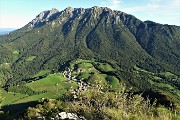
(6, 30)
(54, 37)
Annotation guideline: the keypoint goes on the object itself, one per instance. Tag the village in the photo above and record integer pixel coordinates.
(82, 86)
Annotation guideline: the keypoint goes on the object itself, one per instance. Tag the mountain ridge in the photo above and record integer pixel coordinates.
(97, 32)
(6, 30)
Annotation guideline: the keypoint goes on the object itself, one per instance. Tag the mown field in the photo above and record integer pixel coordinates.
(54, 85)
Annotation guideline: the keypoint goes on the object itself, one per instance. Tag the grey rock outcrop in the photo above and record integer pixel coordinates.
(44, 17)
(71, 116)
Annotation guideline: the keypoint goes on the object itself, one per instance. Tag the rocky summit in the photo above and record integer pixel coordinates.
(43, 17)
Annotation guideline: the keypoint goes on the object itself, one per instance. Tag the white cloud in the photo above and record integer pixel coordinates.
(177, 2)
(157, 6)
(113, 4)
(162, 11)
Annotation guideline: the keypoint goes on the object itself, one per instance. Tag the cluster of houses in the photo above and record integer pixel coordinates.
(82, 86)
(68, 75)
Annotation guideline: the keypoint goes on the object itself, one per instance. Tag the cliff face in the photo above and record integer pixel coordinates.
(44, 17)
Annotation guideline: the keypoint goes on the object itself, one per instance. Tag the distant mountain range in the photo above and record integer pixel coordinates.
(6, 30)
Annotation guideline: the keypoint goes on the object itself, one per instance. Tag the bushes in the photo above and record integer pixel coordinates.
(46, 108)
(1, 112)
(102, 105)
(94, 104)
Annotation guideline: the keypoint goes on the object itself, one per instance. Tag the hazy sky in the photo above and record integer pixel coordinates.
(17, 13)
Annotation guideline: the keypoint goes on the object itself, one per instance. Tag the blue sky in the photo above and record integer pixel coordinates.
(17, 13)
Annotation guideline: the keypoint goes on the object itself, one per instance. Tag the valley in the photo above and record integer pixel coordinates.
(80, 75)
(55, 84)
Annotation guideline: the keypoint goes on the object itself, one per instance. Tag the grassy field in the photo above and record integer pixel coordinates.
(47, 95)
(113, 81)
(31, 58)
(54, 86)
(54, 83)
(142, 70)
(83, 75)
(10, 97)
(91, 75)
(167, 74)
(41, 73)
(105, 67)
(85, 65)
(78, 62)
